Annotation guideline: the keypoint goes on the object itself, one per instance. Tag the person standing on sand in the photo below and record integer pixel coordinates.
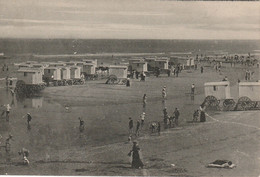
(29, 118)
(8, 108)
(165, 118)
(136, 160)
(144, 100)
(128, 82)
(193, 89)
(201, 69)
(164, 93)
(7, 142)
(81, 124)
(176, 115)
(131, 126)
(142, 117)
(137, 128)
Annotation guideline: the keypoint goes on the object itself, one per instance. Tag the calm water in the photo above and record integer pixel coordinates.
(81, 46)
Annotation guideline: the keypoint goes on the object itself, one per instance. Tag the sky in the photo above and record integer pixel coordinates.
(129, 19)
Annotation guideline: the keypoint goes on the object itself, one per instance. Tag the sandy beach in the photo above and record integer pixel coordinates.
(58, 148)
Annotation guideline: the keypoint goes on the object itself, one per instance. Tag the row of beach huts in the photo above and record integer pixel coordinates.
(37, 75)
(33, 72)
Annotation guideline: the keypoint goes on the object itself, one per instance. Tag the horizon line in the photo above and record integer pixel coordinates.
(122, 39)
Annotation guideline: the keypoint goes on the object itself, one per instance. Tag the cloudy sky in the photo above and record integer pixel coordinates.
(129, 19)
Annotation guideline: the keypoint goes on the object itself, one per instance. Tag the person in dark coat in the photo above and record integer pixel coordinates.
(81, 124)
(137, 75)
(176, 115)
(201, 69)
(202, 116)
(136, 161)
(165, 118)
(131, 125)
(29, 118)
(144, 100)
(128, 82)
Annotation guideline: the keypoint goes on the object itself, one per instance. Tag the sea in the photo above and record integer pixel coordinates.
(11, 47)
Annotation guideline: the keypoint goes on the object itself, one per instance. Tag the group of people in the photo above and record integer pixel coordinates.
(176, 70)
(171, 121)
(135, 75)
(139, 126)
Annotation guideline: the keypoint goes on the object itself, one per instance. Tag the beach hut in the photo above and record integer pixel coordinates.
(81, 65)
(118, 71)
(150, 63)
(30, 76)
(75, 72)
(216, 92)
(250, 90)
(190, 62)
(52, 73)
(65, 73)
(139, 66)
(89, 68)
(219, 90)
(162, 63)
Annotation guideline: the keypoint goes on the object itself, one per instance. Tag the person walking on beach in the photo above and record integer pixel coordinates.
(176, 115)
(137, 132)
(201, 69)
(136, 160)
(29, 118)
(81, 124)
(142, 117)
(165, 118)
(193, 89)
(7, 142)
(144, 100)
(131, 126)
(164, 93)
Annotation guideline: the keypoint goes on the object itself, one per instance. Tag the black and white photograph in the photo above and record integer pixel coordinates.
(129, 88)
